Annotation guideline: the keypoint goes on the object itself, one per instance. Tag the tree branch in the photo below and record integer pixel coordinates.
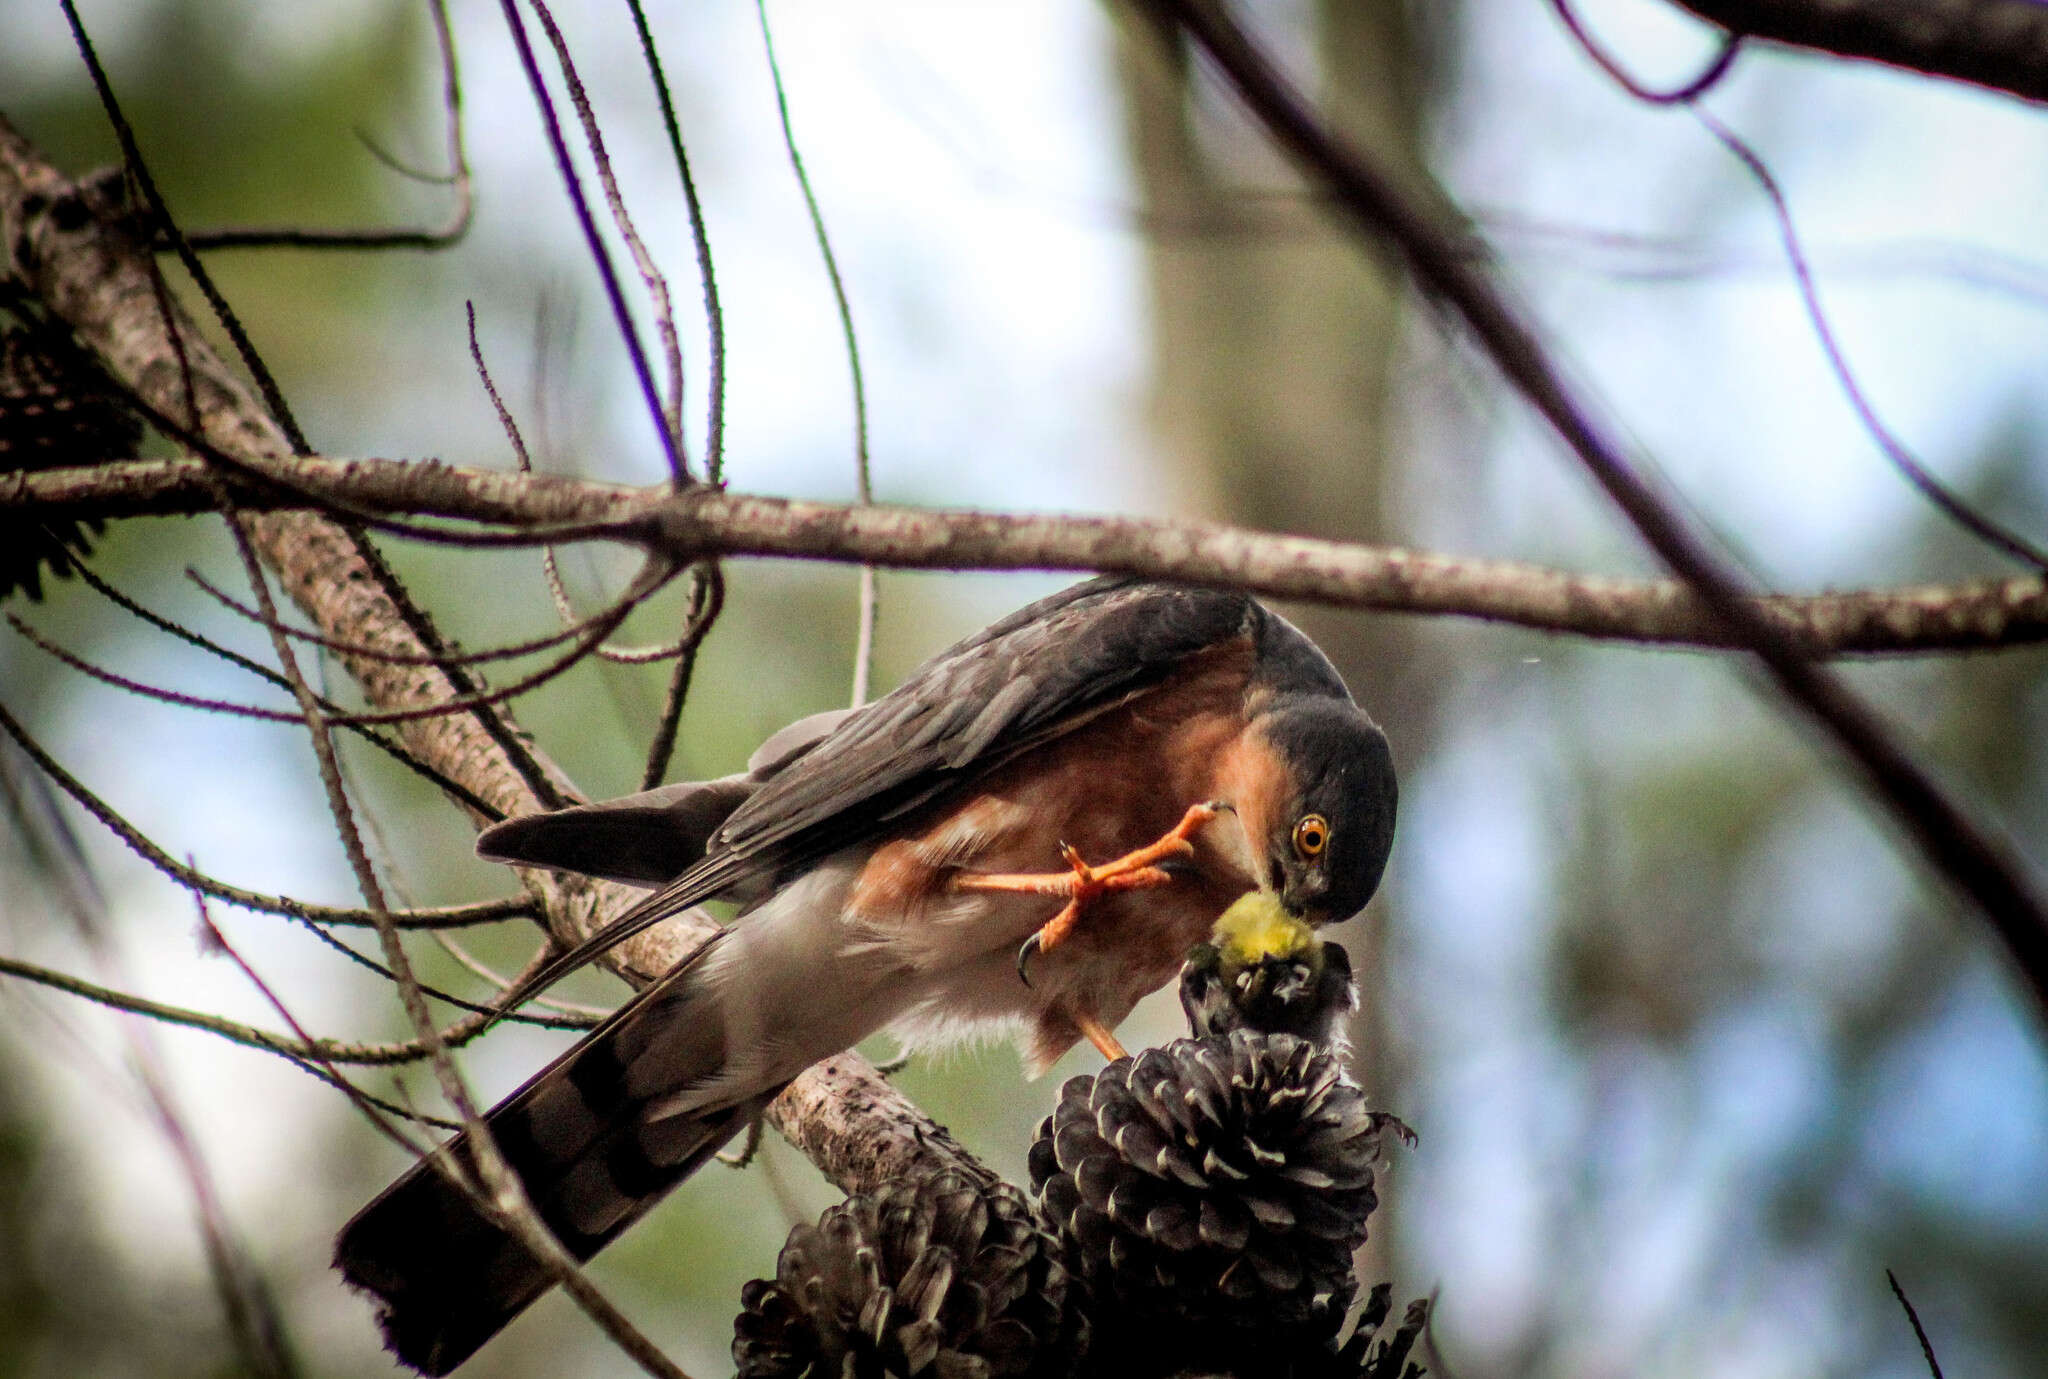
(1978, 615)
(2001, 44)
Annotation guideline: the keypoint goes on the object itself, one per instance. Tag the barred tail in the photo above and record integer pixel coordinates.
(593, 1145)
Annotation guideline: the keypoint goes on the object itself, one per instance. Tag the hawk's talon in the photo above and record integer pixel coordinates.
(1025, 954)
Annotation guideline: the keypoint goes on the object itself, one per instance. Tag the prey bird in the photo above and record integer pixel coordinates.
(1265, 970)
(1031, 831)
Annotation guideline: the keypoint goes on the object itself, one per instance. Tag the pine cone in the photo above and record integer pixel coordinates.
(941, 1276)
(56, 408)
(1369, 1355)
(1211, 1194)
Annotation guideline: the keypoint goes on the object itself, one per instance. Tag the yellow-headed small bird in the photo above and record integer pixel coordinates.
(1267, 971)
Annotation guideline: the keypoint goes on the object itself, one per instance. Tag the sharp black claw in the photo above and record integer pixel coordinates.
(1025, 954)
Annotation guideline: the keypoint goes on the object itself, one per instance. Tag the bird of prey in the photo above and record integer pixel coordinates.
(921, 865)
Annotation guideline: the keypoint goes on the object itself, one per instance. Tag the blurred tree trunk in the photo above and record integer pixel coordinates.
(1275, 344)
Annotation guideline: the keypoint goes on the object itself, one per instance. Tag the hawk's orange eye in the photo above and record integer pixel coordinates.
(1311, 835)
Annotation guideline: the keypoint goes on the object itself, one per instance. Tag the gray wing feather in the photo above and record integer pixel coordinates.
(1019, 682)
(642, 840)
(1016, 684)
(650, 838)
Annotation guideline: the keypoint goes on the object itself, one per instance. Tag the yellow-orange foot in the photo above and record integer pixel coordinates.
(1100, 1036)
(1083, 883)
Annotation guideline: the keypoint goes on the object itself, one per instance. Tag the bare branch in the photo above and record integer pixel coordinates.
(494, 1012)
(371, 1110)
(626, 603)
(1980, 615)
(707, 600)
(2002, 44)
(297, 1049)
(396, 751)
(650, 276)
(1949, 503)
(1919, 1331)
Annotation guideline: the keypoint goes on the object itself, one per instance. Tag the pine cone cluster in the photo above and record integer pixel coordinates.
(1211, 1194)
(56, 408)
(941, 1276)
(1207, 1198)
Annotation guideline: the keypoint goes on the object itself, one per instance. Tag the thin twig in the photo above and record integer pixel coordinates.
(551, 568)
(622, 315)
(1951, 504)
(714, 314)
(138, 170)
(1919, 1331)
(574, 1009)
(397, 751)
(1918, 475)
(370, 1108)
(864, 640)
(1684, 94)
(252, 1312)
(301, 1047)
(489, 1012)
(424, 237)
(433, 917)
(595, 631)
(365, 651)
(650, 275)
(707, 599)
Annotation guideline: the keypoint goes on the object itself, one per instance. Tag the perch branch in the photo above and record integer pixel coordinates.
(1978, 615)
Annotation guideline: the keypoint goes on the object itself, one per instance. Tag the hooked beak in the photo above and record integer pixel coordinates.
(1302, 898)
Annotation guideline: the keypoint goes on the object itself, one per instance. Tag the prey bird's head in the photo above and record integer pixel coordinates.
(1318, 806)
(1266, 971)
